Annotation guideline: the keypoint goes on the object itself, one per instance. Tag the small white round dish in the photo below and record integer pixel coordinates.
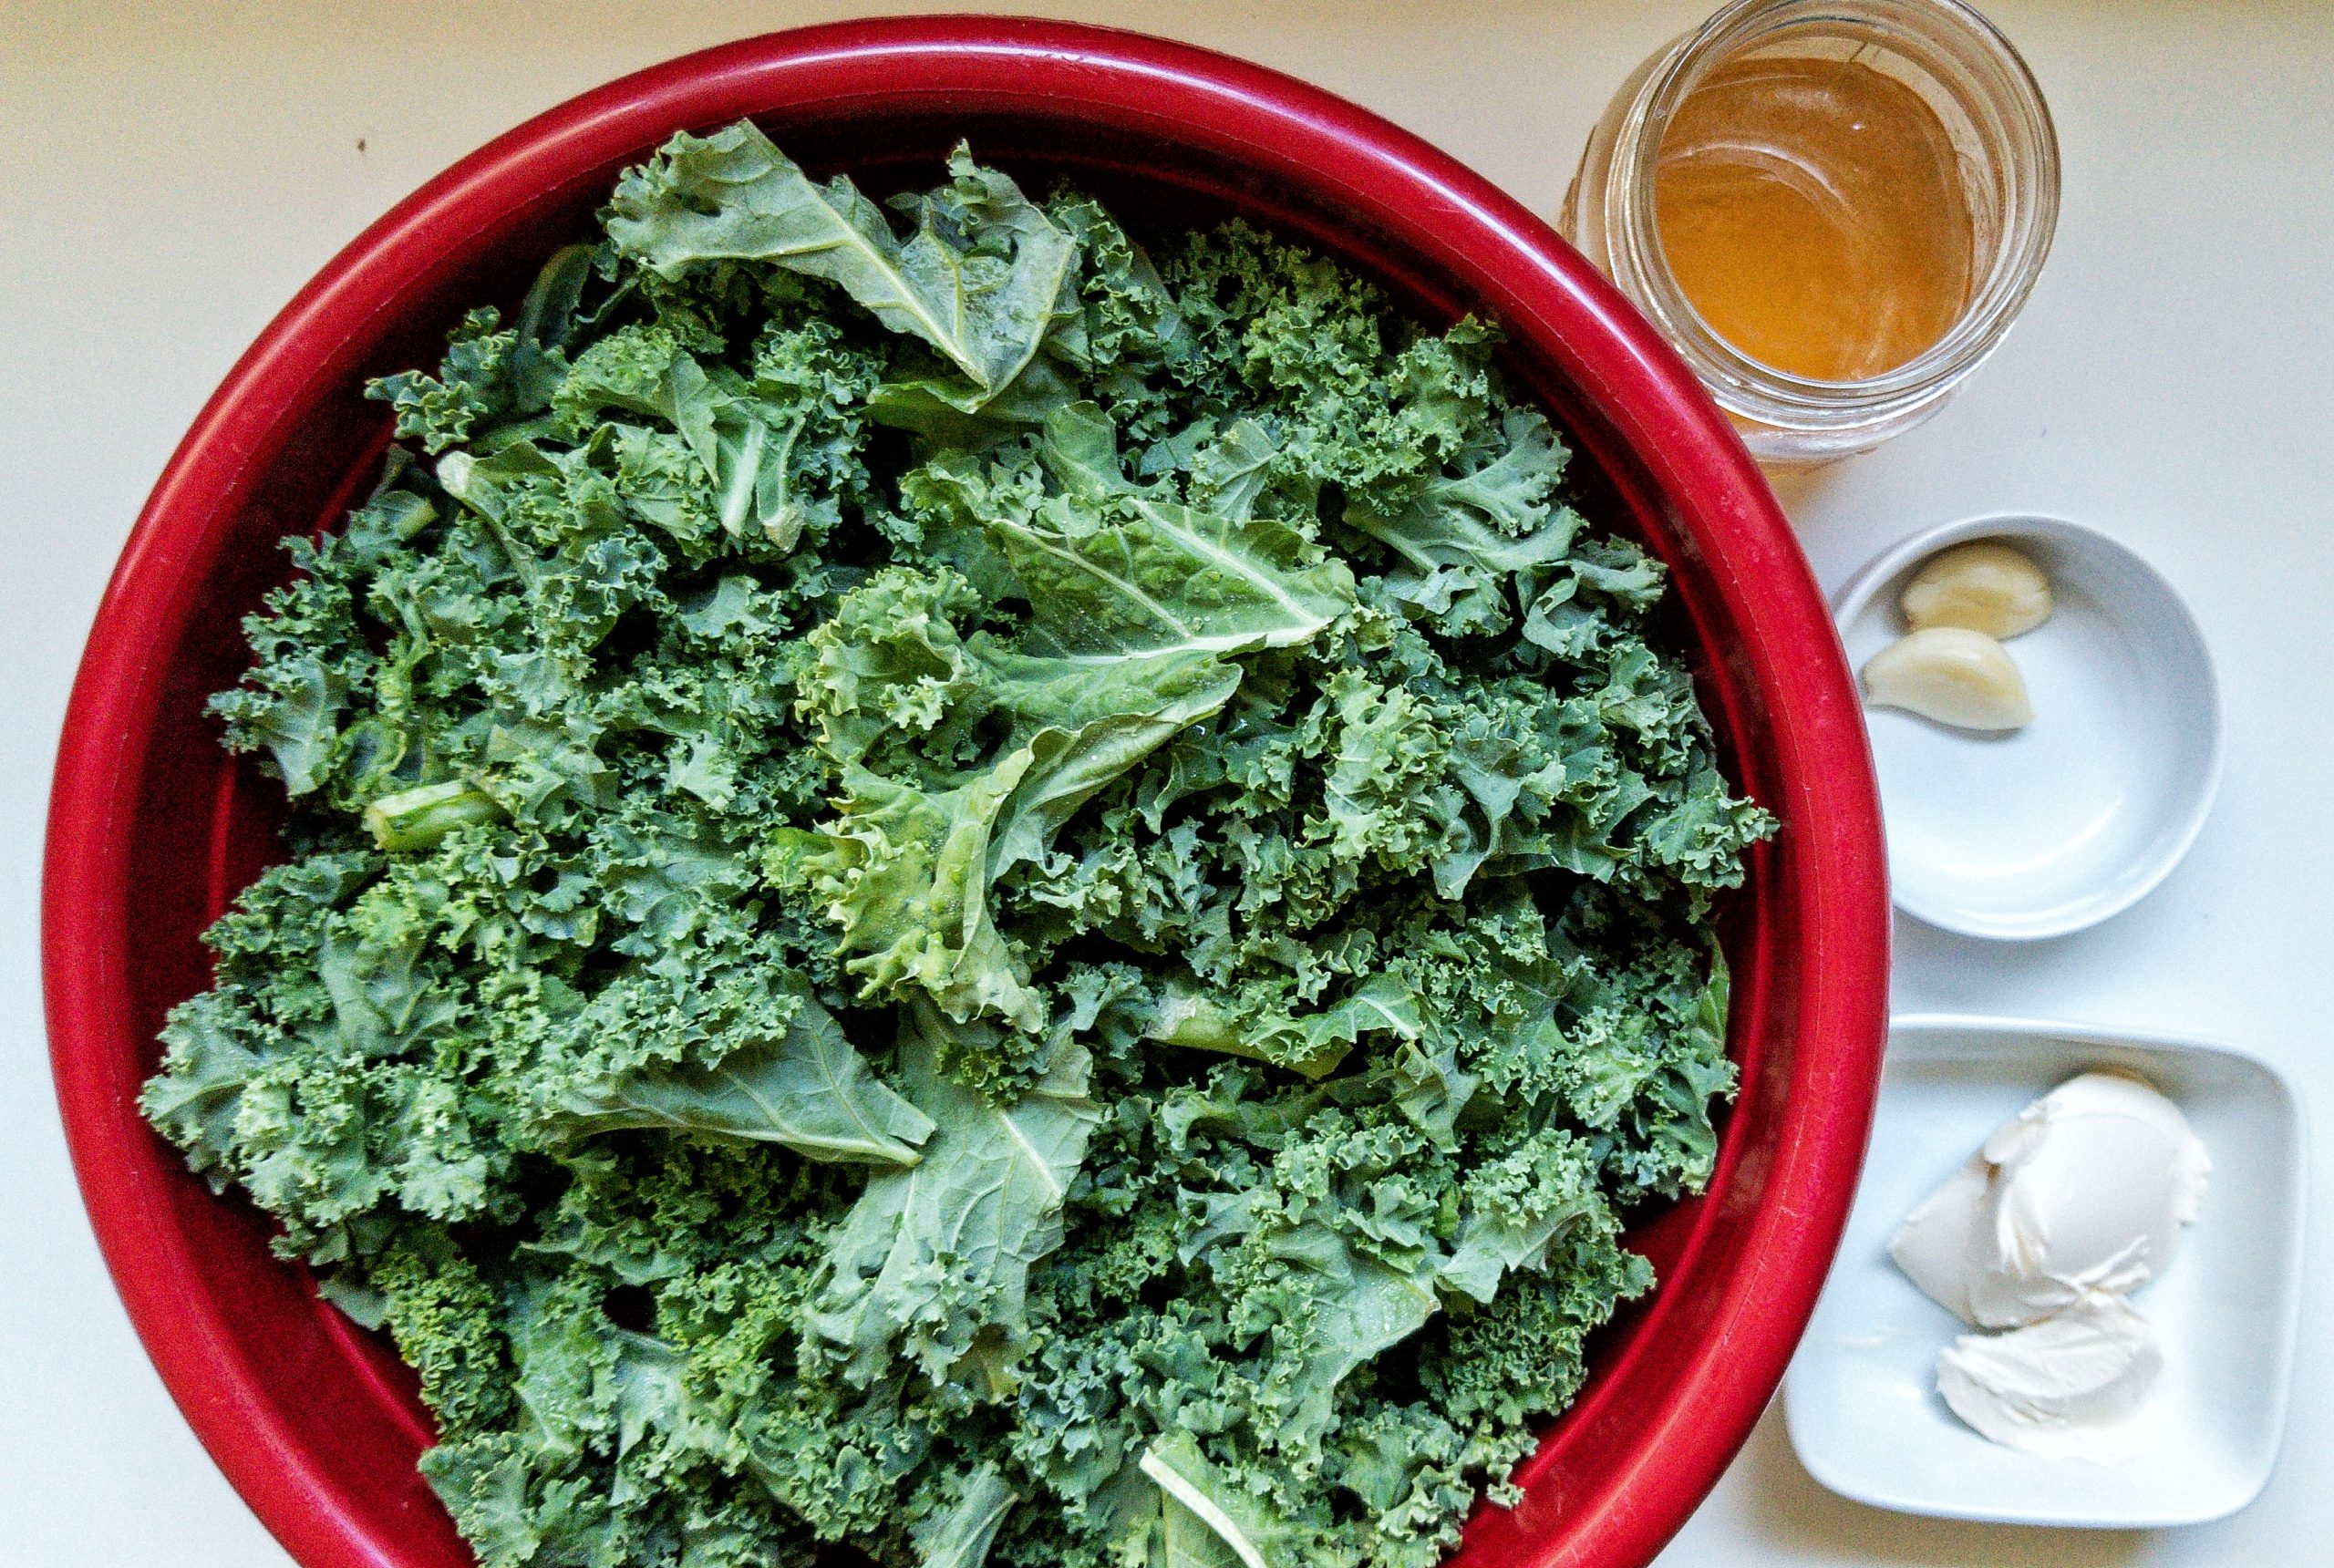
(2057, 826)
(1860, 1400)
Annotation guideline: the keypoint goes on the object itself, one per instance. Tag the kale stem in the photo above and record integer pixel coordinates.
(418, 819)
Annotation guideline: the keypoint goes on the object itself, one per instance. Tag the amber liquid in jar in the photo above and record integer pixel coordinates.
(1813, 211)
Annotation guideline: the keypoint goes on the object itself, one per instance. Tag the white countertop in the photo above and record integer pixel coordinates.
(169, 182)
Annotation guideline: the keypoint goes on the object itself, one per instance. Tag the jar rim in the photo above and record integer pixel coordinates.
(1971, 57)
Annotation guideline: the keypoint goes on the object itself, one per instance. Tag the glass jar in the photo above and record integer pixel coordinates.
(2006, 157)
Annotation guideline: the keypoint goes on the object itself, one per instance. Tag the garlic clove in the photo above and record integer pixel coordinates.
(1951, 674)
(1985, 586)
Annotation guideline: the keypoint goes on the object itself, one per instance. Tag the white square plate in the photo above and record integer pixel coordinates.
(1860, 1396)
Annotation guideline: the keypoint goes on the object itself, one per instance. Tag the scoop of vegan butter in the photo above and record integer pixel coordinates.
(2065, 1208)
(2080, 1195)
(2066, 1387)
(1982, 586)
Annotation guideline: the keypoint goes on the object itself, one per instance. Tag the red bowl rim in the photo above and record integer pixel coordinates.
(1693, 456)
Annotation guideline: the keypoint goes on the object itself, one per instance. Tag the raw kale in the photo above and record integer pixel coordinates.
(942, 878)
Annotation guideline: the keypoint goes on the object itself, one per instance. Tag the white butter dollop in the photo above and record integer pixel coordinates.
(2066, 1387)
(2081, 1193)
(2067, 1207)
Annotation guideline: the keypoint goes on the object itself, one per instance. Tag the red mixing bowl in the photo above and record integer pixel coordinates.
(152, 828)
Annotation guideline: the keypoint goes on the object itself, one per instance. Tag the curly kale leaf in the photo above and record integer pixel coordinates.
(806, 1089)
(490, 373)
(772, 446)
(1113, 570)
(932, 1259)
(980, 279)
(310, 660)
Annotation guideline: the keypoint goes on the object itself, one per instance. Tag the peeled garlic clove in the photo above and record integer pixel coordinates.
(1952, 674)
(1985, 586)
